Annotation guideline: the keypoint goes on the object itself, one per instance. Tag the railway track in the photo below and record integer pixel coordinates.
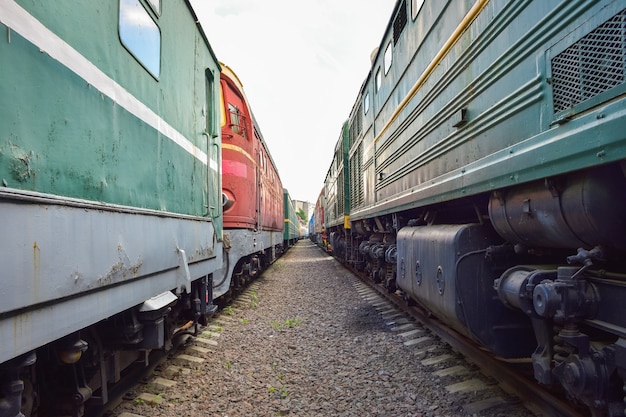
(174, 370)
(197, 378)
(145, 392)
(421, 330)
(150, 381)
(144, 388)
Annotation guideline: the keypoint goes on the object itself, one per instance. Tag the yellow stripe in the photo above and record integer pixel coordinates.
(467, 20)
(231, 74)
(238, 149)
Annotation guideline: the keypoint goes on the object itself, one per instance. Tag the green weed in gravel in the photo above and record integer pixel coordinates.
(293, 322)
(254, 303)
(278, 326)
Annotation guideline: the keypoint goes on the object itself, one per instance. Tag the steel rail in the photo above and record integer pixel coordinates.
(534, 396)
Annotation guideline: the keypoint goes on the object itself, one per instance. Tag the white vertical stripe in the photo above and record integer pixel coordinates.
(20, 21)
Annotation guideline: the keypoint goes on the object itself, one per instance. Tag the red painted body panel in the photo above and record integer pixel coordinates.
(250, 182)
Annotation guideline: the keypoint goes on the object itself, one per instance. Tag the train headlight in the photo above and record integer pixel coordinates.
(227, 200)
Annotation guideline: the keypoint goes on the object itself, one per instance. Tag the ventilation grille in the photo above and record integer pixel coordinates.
(356, 179)
(355, 127)
(339, 202)
(399, 22)
(592, 65)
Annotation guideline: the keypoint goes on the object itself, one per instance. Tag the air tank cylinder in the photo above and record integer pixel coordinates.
(585, 209)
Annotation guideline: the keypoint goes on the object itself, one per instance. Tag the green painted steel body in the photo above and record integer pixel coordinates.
(345, 134)
(487, 166)
(291, 232)
(482, 117)
(110, 167)
(63, 136)
(337, 183)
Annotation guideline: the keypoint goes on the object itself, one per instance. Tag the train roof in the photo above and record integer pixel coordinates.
(377, 50)
(200, 29)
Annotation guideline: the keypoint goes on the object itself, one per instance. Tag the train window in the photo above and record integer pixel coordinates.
(140, 35)
(416, 5)
(236, 120)
(366, 103)
(379, 79)
(388, 58)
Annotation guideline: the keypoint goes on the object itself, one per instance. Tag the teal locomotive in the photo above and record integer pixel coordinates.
(110, 194)
(291, 230)
(482, 174)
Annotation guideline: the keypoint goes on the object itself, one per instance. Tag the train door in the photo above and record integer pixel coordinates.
(214, 153)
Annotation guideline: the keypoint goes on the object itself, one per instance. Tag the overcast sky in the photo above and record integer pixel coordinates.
(301, 64)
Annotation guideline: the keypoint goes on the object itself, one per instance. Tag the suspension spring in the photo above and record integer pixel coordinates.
(561, 349)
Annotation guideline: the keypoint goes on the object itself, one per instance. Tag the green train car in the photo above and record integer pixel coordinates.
(291, 232)
(337, 189)
(110, 193)
(486, 160)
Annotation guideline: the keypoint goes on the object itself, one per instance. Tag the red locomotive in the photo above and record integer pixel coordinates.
(252, 192)
(318, 235)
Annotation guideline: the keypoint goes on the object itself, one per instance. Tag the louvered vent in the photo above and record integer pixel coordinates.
(339, 202)
(356, 179)
(590, 66)
(355, 126)
(399, 22)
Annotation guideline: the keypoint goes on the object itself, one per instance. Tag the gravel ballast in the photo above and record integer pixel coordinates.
(303, 341)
